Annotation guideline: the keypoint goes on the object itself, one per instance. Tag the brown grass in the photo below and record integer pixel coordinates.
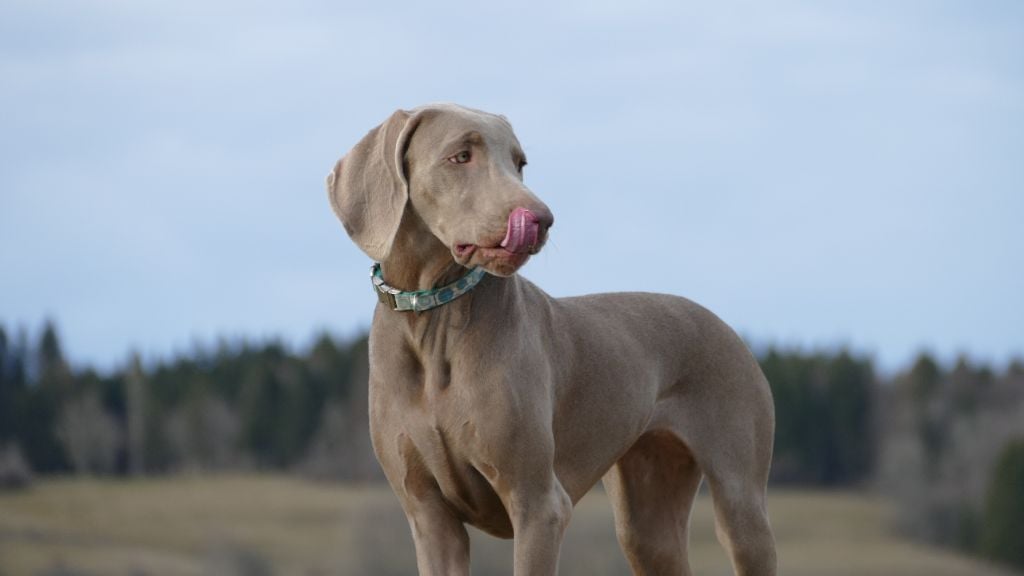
(255, 525)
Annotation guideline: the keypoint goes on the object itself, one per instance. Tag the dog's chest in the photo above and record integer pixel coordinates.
(451, 457)
(441, 417)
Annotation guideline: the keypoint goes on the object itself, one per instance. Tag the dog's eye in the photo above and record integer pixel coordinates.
(522, 164)
(461, 157)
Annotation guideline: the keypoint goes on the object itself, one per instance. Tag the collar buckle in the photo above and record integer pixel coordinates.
(387, 298)
(385, 293)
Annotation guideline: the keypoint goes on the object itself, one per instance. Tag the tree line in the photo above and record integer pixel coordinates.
(946, 443)
(234, 406)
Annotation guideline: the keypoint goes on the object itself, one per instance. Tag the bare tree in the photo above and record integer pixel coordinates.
(14, 471)
(204, 435)
(91, 436)
(941, 436)
(329, 456)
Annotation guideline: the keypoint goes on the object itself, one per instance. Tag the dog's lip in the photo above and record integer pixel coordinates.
(499, 252)
(499, 256)
(463, 250)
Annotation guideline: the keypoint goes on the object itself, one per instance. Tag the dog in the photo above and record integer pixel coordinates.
(496, 405)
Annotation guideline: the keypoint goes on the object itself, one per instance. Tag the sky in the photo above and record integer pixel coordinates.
(819, 174)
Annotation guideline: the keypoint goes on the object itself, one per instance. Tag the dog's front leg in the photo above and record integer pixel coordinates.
(540, 512)
(442, 544)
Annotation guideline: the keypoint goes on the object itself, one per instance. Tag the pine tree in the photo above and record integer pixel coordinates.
(1004, 508)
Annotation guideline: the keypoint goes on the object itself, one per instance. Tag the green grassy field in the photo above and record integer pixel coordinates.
(255, 525)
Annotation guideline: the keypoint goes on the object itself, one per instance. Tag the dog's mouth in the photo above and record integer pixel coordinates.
(496, 260)
(524, 236)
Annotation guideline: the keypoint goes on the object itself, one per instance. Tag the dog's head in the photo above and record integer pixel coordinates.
(460, 172)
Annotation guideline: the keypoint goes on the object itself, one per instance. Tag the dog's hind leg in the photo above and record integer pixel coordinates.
(742, 526)
(732, 443)
(652, 488)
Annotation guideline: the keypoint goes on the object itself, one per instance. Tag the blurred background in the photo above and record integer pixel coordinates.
(182, 320)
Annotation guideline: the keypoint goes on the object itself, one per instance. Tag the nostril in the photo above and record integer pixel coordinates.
(544, 219)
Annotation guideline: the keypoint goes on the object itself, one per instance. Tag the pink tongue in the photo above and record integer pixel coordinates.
(523, 229)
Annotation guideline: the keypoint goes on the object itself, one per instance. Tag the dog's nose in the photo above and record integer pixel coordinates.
(544, 217)
(524, 229)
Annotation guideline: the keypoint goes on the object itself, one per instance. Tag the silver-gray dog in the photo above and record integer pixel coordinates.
(494, 404)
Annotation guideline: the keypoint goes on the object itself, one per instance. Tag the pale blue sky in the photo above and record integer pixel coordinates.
(817, 173)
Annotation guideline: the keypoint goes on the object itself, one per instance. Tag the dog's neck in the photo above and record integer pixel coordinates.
(425, 329)
(418, 260)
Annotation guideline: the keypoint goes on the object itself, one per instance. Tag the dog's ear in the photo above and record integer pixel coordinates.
(368, 188)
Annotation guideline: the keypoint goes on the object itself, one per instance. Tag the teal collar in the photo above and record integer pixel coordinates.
(422, 300)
